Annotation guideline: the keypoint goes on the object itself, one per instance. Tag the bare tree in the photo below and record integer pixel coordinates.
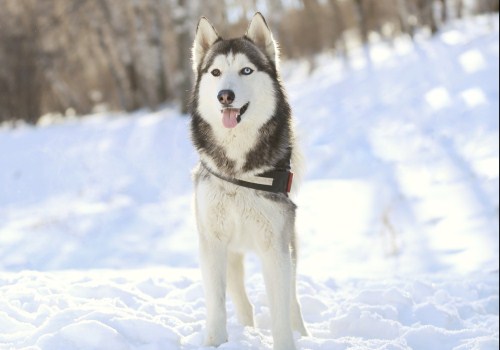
(183, 20)
(361, 13)
(20, 76)
(339, 28)
(158, 42)
(426, 14)
(407, 17)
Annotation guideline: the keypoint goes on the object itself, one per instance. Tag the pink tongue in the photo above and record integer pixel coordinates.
(229, 117)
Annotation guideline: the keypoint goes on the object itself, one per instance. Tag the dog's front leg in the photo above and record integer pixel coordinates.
(213, 259)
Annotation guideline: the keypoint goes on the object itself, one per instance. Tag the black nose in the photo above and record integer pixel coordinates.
(226, 97)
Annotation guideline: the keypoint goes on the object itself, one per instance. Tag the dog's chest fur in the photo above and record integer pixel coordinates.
(239, 216)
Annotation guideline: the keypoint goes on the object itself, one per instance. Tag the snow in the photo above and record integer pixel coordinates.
(398, 213)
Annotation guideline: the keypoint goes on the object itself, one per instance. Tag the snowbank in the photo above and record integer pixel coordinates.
(398, 215)
(164, 309)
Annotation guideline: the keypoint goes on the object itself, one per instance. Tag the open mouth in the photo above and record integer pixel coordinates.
(231, 116)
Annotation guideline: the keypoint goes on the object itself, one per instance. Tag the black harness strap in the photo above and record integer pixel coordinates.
(282, 180)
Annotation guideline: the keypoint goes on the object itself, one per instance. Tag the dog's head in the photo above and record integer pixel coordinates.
(236, 79)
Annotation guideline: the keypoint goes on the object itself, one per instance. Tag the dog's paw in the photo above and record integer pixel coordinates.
(215, 338)
(298, 326)
(284, 346)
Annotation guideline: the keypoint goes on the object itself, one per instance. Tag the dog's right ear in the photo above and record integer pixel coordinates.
(205, 37)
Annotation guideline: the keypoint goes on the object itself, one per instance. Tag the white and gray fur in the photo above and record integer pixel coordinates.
(232, 219)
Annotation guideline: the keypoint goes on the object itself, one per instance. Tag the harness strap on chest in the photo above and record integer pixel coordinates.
(281, 180)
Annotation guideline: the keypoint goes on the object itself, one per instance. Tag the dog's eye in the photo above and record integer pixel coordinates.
(246, 71)
(216, 72)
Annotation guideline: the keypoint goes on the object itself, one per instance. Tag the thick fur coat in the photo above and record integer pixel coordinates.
(241, 127)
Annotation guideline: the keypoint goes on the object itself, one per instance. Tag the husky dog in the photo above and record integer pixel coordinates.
(242, 129)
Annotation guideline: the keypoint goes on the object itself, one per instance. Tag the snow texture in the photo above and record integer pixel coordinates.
(398, 213)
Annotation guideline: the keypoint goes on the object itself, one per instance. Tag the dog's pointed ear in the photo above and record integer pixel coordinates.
(259, 32)
(205, 37)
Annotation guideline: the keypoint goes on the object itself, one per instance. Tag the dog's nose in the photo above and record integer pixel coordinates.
(226, 97)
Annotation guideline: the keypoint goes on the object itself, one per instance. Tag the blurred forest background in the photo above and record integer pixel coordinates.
(79, 56)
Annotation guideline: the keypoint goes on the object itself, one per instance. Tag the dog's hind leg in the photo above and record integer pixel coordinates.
(277, 267)
(236, 288)
(213, 259)
(296, 314)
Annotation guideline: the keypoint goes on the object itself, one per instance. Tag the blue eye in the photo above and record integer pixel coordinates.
(246, 71)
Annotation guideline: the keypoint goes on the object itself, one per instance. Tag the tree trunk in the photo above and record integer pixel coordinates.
(185, 34)
(362, 20)
(158, 43)
(340, 43)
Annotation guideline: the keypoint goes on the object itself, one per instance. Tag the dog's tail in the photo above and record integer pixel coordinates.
(298, 165)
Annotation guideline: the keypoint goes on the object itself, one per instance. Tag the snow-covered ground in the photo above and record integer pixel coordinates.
(398, 213)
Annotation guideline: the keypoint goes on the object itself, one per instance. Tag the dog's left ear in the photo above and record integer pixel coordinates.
(261, 35)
